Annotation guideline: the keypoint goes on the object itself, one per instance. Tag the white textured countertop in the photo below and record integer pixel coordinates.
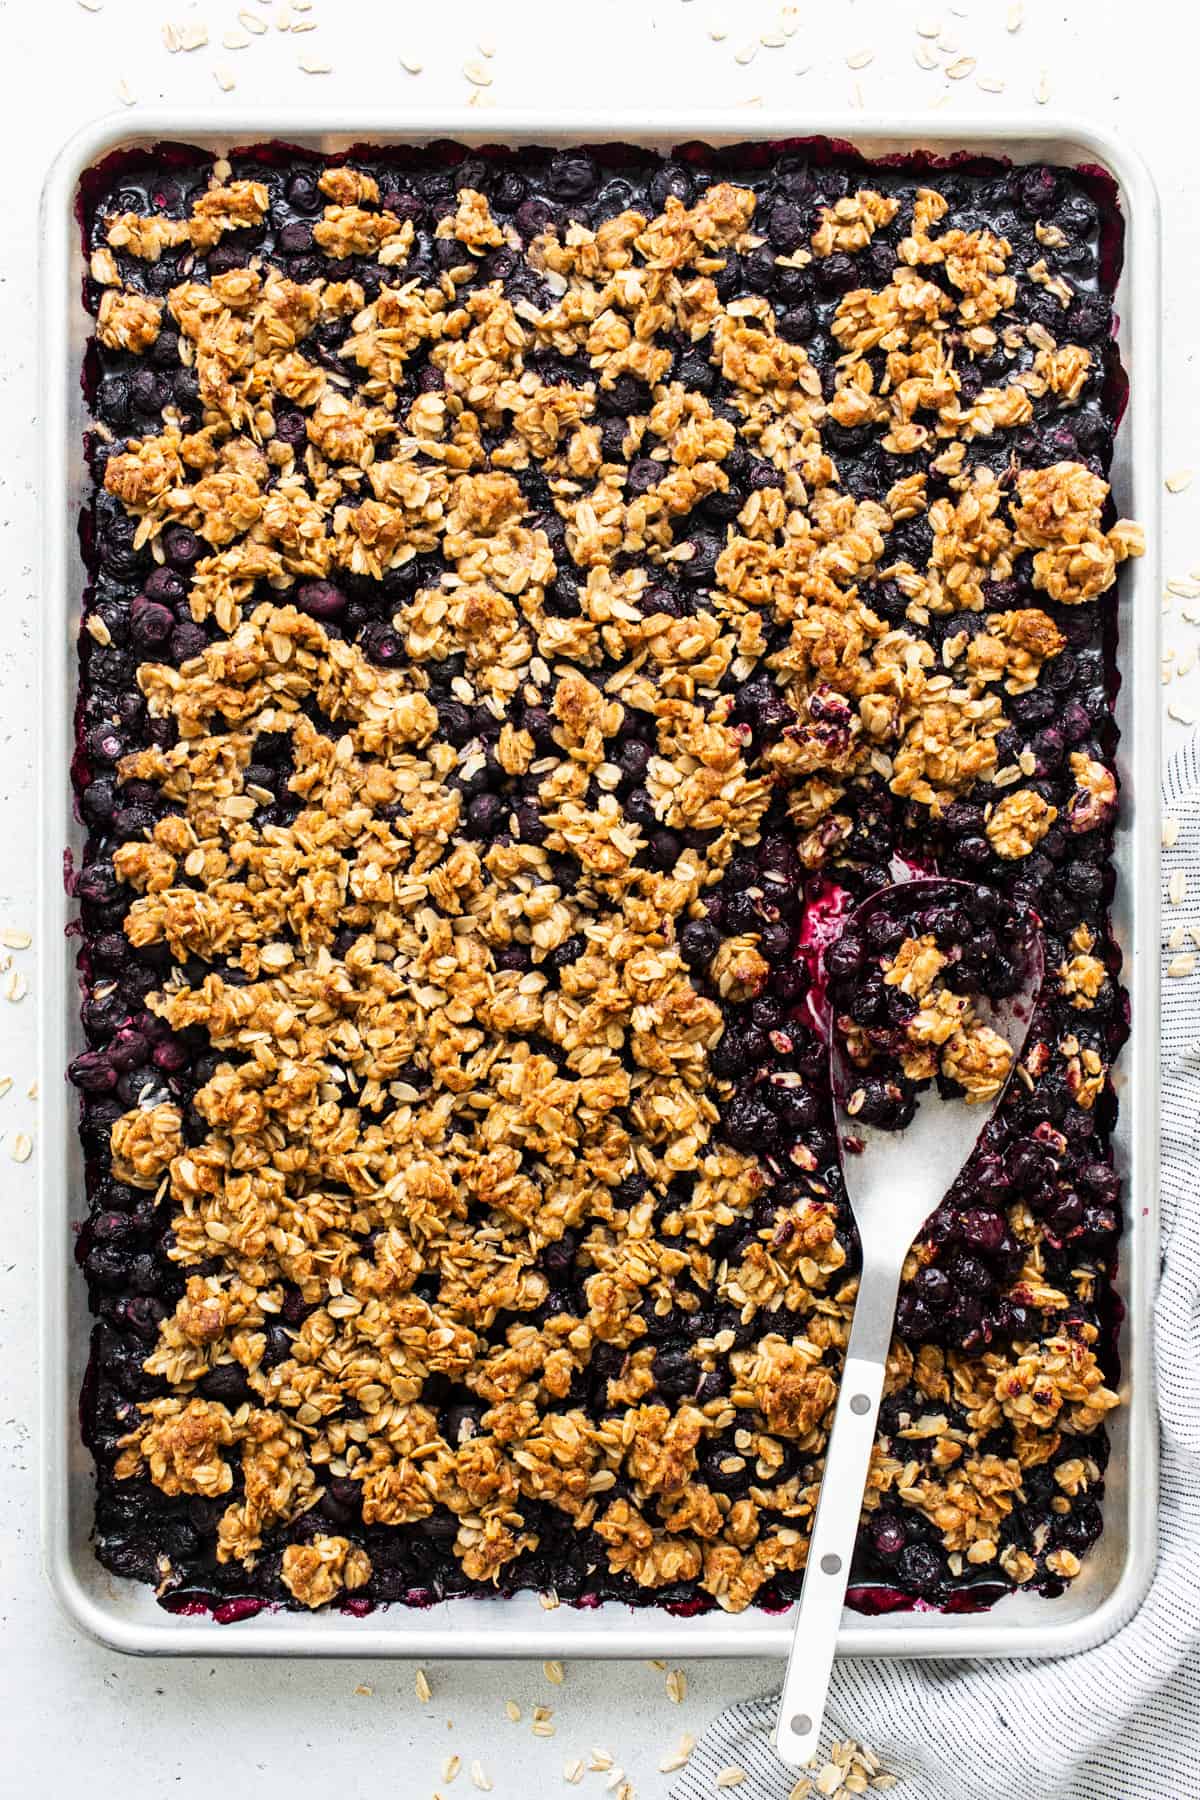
(74, 1715)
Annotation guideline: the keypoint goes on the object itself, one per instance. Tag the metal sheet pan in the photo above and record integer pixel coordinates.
(125, 1615)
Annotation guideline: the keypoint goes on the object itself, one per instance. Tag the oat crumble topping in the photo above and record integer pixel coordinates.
(510, 616)
(944, 1036)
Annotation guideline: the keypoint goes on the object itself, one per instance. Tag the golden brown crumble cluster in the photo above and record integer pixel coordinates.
(945, 1035)
(413, 1218)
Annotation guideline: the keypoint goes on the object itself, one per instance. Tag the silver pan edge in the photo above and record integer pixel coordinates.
(124, 1615)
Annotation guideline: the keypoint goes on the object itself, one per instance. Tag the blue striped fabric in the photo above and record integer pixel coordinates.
(1121, 1722)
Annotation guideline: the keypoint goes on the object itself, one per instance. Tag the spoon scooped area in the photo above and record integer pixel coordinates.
(914, 982)
(938, 989)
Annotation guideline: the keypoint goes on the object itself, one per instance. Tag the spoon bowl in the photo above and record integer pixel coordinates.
(895, 1179)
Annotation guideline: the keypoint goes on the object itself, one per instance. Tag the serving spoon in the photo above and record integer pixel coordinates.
(894, 1180)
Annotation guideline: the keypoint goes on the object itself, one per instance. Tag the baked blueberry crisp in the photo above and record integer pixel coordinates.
(909, 988)
(533, 597)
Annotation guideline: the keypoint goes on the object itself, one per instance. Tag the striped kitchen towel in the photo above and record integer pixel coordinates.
(1121, 1722)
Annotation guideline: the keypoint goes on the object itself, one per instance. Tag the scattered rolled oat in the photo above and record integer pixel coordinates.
(1184, 964)
(860, 59)
(15, 940)
(677, 1758)
(1170, 832)
(5, 1083)
(929, 28)
(224, 80)
(477, 74)
(92, 6)
(22, 1147)
(554, 1672)
(486, 47)
(1176, 483)
(451, 1766)
(960, 69)
(1182, 715)
(193, 36)
(125, 93)
(421, 1686)
(1041, 92)
(252, 23)
(1177, 887)
(313, 65)
(480, 1777)
(731, 1777)
(990, 84)
(851, 1769)
(411, 65)
(235, 40)
(513, 1711)
(16, 987)
(543, 1722)
(924, 58)
(1016, 17)
(772, 40)
(746, 54)
(170, 38)
(573, 1771)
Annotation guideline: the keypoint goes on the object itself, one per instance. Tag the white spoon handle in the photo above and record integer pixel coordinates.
(847, 1458)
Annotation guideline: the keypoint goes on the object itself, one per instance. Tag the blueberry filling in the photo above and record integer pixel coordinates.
(532, 596)
(909, 992)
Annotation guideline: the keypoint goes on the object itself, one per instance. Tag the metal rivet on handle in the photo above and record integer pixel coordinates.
(801, 1724)
(860, 1404)
(831, 1565)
